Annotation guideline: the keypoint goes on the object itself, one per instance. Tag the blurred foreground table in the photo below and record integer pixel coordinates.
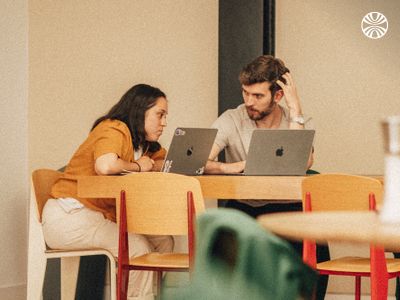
(355, 227)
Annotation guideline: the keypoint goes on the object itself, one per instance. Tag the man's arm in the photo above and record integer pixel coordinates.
(294, 106)
(292, 100)
(216, 167)
(310, 159)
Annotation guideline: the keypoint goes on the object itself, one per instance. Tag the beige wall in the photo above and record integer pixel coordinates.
(13, 147)
(85, 54)
(347, 82)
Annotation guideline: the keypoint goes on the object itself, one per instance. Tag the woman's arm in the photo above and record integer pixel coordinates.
(110, 164)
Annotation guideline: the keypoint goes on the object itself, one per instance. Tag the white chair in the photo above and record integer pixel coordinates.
(38, 252)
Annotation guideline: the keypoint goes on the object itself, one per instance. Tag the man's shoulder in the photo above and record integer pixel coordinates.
(235, 113)
(230, 117)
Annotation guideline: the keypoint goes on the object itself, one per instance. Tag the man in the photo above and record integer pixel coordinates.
(265, 81)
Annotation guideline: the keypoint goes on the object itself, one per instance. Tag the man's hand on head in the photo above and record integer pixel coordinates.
(290, 91)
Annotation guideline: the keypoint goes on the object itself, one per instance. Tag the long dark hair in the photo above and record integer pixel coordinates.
(131, 110)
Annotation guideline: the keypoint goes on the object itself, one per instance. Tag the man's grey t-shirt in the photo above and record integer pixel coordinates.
(235, 129)
(234, 133)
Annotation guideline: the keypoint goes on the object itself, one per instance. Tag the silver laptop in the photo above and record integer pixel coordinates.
(279, 152)
(189, 150)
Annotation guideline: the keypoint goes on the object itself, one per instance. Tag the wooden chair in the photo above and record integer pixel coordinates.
(38, 252)
(340, 192)
(157, 204)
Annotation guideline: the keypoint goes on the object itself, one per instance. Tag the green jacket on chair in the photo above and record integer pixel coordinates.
(237, 259)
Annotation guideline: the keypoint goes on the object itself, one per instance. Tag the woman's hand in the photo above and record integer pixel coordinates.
(146, 163)
(158, 164)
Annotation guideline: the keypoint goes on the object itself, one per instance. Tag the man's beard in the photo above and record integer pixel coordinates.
(261, 114)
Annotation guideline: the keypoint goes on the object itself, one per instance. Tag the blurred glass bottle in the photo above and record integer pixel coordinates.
(391, 136)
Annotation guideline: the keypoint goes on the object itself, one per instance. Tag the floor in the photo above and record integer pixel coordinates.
(350, 297)
(176, 279)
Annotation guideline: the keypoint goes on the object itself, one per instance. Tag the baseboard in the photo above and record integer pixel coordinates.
(16, 292)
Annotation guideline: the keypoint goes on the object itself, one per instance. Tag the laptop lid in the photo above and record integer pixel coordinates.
(279, 152)
(189, 150)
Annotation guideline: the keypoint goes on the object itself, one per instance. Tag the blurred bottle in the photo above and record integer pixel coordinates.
(391, 205)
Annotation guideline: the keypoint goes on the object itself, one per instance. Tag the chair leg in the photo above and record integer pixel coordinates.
(36, 273)
(123, 253)
(122, 282)
(379, 286)
(113, 278)
(358, 288)
(379, 274)
(159, 279)
(310, 253)
(69, 276)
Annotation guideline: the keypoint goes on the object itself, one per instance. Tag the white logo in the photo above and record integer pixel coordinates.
(374, 25)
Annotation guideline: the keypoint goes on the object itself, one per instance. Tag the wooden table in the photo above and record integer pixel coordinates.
(234, 187)
(358, 227)
(254, 187)
(221, 186)
(251, 187)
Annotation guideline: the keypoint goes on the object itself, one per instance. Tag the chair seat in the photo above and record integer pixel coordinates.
(353, 264)
(161, 260)
(51, 250)
(56, 253)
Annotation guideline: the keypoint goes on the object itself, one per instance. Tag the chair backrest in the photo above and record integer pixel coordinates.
(341, 192)
(42, 181)
(156, 203)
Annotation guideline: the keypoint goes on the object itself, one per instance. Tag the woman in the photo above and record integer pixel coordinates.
(125, 139)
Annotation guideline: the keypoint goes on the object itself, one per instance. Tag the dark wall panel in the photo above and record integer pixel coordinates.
(240, 41)
(269, 27)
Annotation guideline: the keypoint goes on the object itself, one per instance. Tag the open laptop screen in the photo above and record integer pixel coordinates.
(189, 150)
(279, 152)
